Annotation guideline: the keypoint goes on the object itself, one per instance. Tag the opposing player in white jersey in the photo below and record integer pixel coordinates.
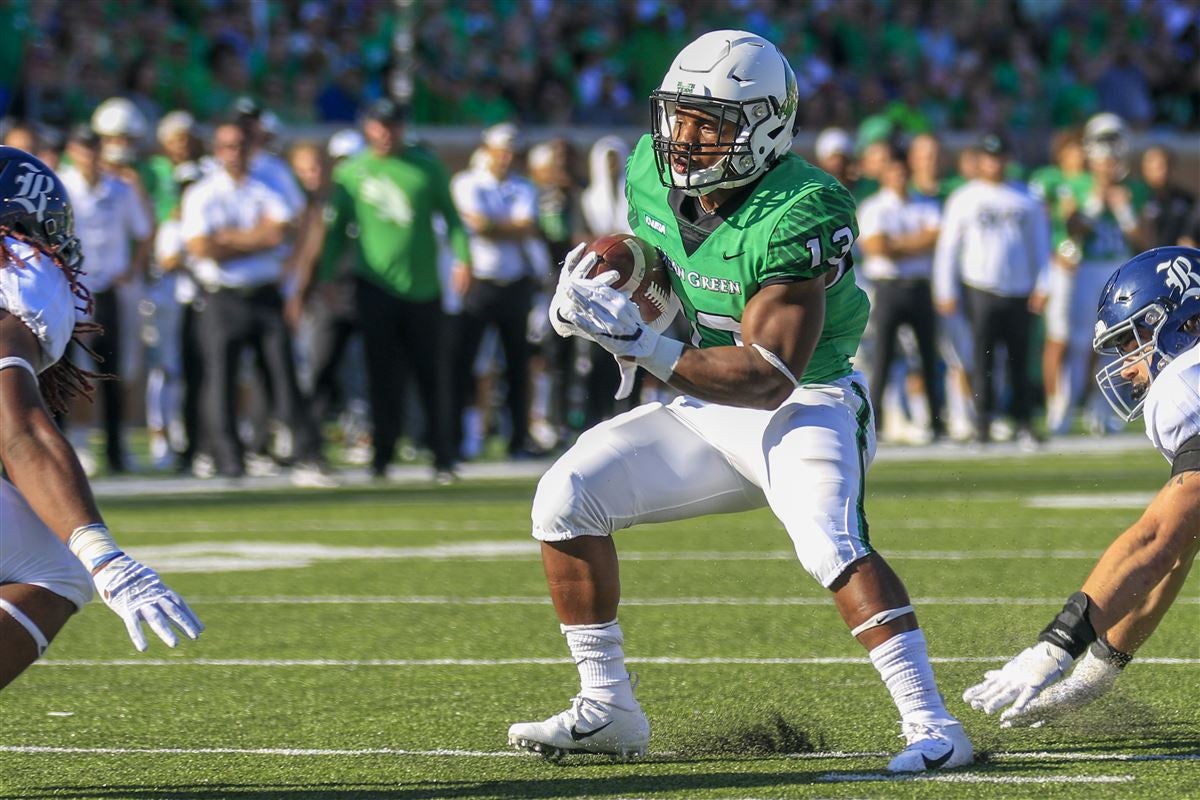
(773, 414)
(53, 542)
(1148, 322)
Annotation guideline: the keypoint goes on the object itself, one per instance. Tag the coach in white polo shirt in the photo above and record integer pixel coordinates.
(897, 231)
(235, 227)
(115, 228)
(500, 212)
(995, 241)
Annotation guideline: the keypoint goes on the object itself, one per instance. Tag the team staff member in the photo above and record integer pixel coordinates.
(898, 231)
(995, 240)
(235, 226)
(110, 217)
(500, 211)
(390, 194)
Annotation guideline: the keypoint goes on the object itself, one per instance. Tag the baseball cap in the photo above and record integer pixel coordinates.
(174, 123)
(344, 143)
(501, 135)
(832, 141)
(994, 144)
(84, 135)
(385, 109)
(247, 106)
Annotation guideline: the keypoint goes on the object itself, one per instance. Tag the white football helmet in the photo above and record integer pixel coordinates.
(1106, 136)
(740, 79)
(118, 116)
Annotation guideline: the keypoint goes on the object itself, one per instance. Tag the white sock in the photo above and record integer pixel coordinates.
(600, 657)
(903, 663)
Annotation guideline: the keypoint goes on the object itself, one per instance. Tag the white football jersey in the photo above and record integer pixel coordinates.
(38, 293)
(1172, 408)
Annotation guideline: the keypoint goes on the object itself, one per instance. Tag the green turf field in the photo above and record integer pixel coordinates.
(376, 643)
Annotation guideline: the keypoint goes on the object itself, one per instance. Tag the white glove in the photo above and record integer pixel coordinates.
(574, 267)
(136, 594)
(1020, 680)
(608, 317)
(628, 373)
(1091, 678)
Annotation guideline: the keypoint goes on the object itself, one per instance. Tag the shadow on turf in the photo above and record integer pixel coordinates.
(529, 789)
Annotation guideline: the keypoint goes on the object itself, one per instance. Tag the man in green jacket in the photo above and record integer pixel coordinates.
(389, 195)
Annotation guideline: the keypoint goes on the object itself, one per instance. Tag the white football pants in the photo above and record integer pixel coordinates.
(31, 553)
(806, 459)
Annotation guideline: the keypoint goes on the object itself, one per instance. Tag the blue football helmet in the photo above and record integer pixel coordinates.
(35, 208)
(1149, 313)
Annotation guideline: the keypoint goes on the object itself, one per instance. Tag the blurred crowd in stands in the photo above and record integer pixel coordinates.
(920, 65)
(275, 302)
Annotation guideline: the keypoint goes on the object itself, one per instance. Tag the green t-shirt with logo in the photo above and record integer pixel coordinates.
(391, 201)
(795, 223)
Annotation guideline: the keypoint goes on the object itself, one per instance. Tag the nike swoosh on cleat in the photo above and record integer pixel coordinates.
(579, 735)
(934, 764)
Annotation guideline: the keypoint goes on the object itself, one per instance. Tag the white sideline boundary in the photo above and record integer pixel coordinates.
(296, 752)
(511, 662)
(437, 600)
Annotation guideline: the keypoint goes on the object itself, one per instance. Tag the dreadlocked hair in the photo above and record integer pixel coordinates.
(63, 380)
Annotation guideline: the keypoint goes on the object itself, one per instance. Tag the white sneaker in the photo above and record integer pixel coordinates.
(311, 475)
(588, 726)
(932, 747)
(259, 466)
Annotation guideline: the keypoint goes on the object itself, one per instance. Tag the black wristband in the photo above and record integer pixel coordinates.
(1187, 457)
(1071, 629)
(1109, 654)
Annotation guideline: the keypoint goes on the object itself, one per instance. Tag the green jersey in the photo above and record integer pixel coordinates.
(1105, 241)
(391, 201)
(1054, 187)
(796, 223)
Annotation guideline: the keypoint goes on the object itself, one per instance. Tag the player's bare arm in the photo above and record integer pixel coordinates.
(785, 320)
(38, 459)
(1140, 573)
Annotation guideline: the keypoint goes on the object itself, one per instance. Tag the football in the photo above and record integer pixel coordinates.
(643, 276)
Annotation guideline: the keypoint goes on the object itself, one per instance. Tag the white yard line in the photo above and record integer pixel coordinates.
(504, 662)
(440, 600)
(431, 526)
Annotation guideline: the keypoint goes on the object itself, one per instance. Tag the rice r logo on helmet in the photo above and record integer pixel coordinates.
(33, 190)
(1180, 276)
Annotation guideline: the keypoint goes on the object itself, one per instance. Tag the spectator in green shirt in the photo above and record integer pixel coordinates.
(390, 195)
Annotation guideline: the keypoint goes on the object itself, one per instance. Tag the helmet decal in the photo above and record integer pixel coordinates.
(1180, 276)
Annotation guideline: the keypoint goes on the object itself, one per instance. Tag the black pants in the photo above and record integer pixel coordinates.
(402, 337)
(192, 355)
(906, 302)
(231, 322)
(107, 346)
(506, 307)
(334, 322)
(996, 319)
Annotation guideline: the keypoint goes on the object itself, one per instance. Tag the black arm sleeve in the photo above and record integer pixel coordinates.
(1187, 457)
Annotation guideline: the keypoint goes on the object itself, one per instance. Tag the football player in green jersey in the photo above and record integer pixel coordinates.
(772, 413)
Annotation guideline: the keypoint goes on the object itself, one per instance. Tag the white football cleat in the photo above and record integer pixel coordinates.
(932, 747)
(588, 726)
